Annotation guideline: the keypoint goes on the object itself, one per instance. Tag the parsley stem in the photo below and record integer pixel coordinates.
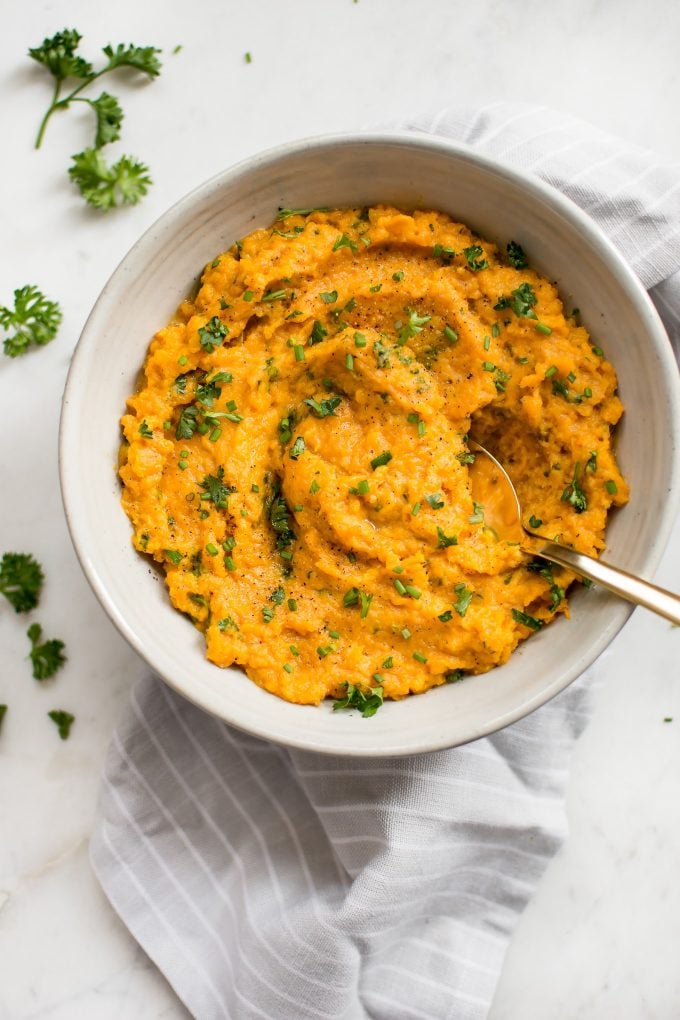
(50, 110)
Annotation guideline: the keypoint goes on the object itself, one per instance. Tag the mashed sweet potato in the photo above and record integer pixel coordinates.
(297, 457)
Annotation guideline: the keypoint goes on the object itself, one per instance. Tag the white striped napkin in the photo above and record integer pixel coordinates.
(285, 885)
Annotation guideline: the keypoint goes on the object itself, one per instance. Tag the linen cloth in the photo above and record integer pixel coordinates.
(273, 883)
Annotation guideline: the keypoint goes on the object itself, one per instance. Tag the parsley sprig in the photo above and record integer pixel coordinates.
(47, 656)
(366, 699)
(33, 320)
(101, 185)
(21, 578)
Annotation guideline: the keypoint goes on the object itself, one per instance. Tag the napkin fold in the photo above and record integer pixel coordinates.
(273, 883)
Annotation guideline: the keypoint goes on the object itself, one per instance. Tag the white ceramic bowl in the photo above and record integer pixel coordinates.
(406, 170)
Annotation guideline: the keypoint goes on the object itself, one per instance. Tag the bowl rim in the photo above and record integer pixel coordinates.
(538, 189)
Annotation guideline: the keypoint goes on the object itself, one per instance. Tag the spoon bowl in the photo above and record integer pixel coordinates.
(492, 487)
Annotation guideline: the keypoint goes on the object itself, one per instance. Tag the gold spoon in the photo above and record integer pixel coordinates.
(502, 511)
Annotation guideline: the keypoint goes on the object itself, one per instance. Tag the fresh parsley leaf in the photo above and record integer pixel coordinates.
(323, 408)
(186, 423)
(475, 258)
(343, 241)
(574, 494)
(142, 58)
(521, 300)
(463, 598)
(516, 256)
(527, 621)
(47, 656)
(63, 721)
(279, 518)
(435, 500)
(215, 491)
(144, 430)
(413, 326)
(212, 334)
(33, 320)
(106, 187)
(58, 55)
(318, 333)
(439, 251)
(545, 570)
(21, 579)
(366, 700)
(109, 119)
(444, 540)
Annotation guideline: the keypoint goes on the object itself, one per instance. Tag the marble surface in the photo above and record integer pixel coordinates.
(600, 937)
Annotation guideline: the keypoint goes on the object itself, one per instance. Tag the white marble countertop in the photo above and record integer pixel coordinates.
(600, 938)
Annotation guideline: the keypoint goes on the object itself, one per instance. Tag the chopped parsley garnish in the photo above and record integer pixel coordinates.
(314, 487)
(21, 580)
(366, 699)
(521, 301)
(279, 518)
(463, 598)
(375, 288)
(545, 570)
(466, 457)
(454, 676)
(516, 256)
(274, 295)
(215, 491)
(439, 251)
(323, 408)
(187, 423)
(591, 463)
(435, 500)
(413, 326)
(475, 258)
(343, 241)
(212, 334)
(63, 721)
(144, 430)
(283, 214)
(535, 522)
(297, 448)
(329, 297)
(574, 494)
(527, 621)
(267, 614)
(278, 596)
(46, 657)
(33, 320)
(611, 487)
(383, 458)
(446, 616)
(318, 333)
(444, 540)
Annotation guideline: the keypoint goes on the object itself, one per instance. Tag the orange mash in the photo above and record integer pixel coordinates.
(296, 457)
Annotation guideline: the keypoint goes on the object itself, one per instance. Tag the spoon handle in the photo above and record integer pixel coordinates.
(629, 587)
